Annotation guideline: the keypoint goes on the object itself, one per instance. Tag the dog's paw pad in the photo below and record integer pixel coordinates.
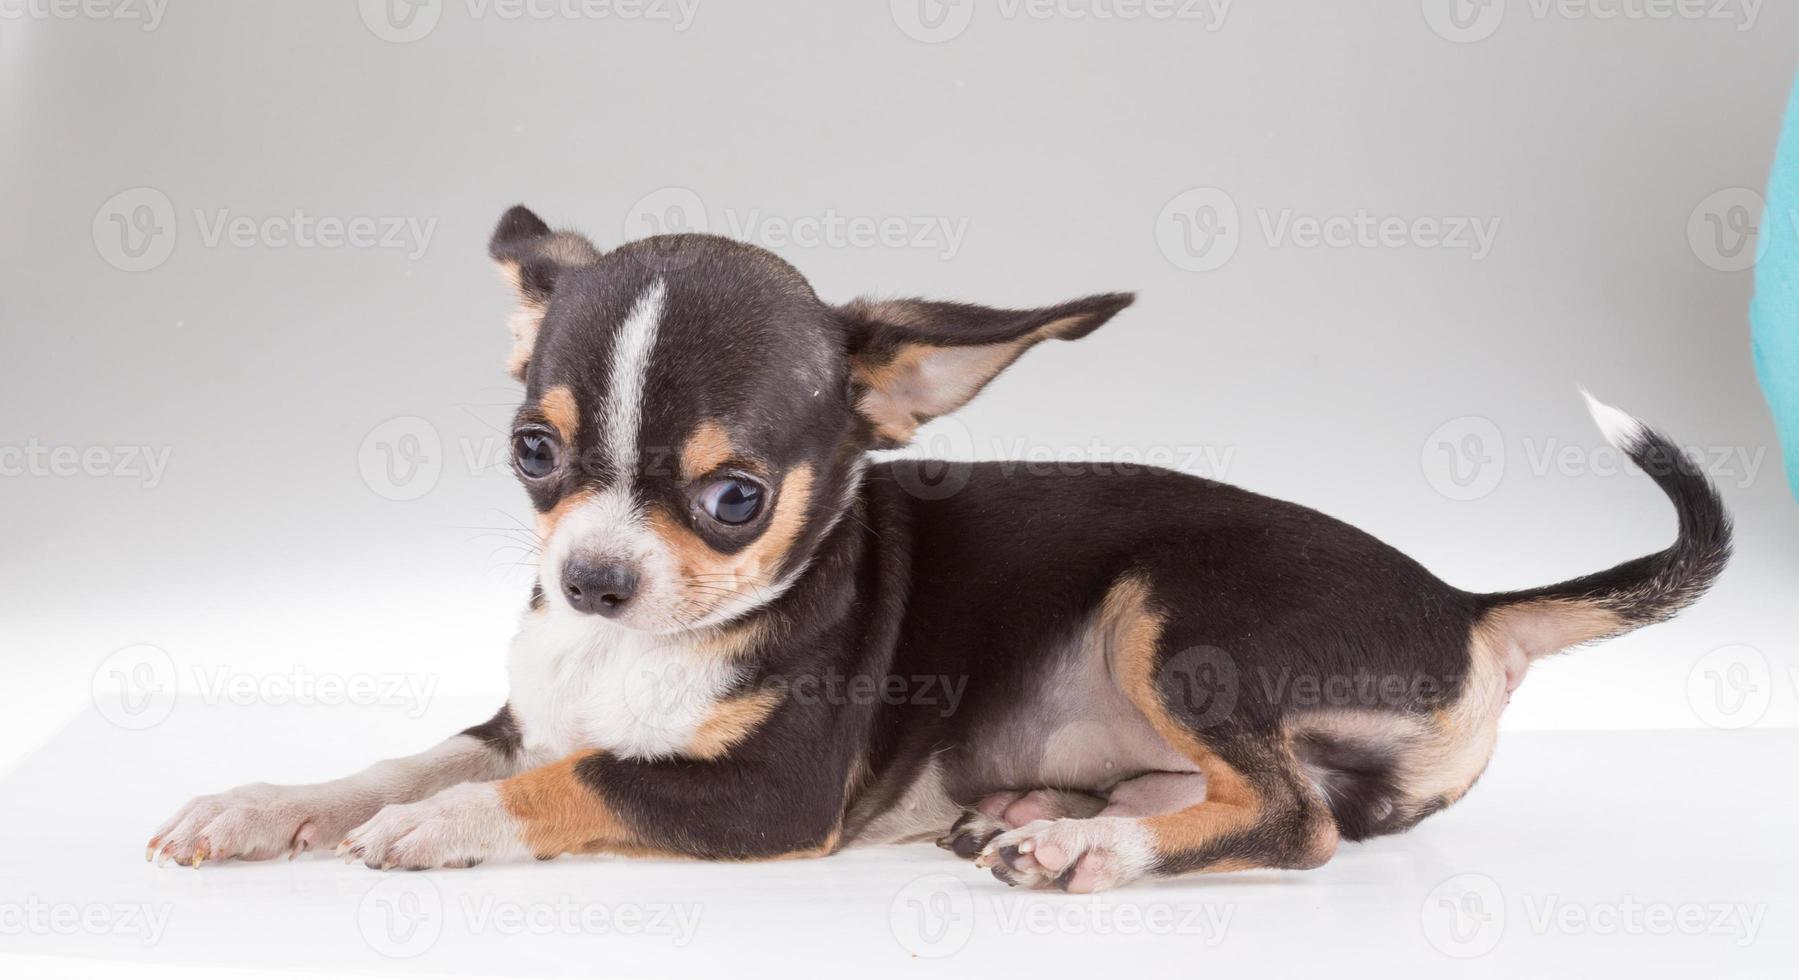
(1073, 855)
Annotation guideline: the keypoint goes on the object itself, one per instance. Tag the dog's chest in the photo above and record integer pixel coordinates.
(579, 683)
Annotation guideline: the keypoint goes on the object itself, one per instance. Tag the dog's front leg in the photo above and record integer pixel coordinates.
(595, 802)
(261, 820)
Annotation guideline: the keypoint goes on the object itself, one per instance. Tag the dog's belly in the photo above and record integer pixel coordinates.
(1072, 729)
(579, 683)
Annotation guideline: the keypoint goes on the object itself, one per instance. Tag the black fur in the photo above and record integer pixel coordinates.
(991, 580)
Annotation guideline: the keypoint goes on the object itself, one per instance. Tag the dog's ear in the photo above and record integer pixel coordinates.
(914, 360)
(530, 257)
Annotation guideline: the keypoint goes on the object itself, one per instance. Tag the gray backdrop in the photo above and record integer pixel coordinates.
(1378, 247)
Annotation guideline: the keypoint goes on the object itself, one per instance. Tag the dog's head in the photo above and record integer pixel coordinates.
(695, 418)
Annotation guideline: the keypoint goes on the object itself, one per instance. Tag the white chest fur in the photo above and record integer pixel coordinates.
(579, 682)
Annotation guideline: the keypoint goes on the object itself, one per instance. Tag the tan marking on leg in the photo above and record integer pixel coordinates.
(1436, 758)
(705, 571)
(1130, 629)
(730, 722)
(560, 410)
(1131, 626)
(1463, 733)
(706, 449)
(1541, 627)
(559, 813)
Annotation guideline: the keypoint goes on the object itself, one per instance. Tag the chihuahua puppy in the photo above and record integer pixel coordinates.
(749, 641)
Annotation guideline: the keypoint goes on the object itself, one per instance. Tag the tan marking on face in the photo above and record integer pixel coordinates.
(708, 448)
(730, 722)
(559, 408)
(703, 571)
(547, 521)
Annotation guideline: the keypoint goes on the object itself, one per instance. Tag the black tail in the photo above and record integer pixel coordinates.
(1637, 593)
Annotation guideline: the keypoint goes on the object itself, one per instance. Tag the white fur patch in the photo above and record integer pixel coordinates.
(582, 682)
(261, 821)
(1619, 427)
(460, 826)
(630, 366)
(612, 527)
(1111, 851)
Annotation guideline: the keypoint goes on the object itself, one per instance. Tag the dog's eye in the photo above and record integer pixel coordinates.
(732, 500)
(535, 453)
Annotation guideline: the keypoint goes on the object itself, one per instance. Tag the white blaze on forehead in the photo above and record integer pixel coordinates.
(630, 366)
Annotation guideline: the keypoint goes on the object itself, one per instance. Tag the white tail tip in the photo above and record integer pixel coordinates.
(1619, 427)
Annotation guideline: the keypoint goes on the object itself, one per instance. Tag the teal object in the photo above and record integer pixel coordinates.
(1774, 312)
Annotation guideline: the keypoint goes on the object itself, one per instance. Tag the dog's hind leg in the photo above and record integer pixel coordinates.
(999, 812)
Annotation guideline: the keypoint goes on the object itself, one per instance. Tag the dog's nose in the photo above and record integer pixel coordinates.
(603, 587)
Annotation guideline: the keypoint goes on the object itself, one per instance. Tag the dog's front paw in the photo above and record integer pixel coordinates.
(260, 821)
(458, 828)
